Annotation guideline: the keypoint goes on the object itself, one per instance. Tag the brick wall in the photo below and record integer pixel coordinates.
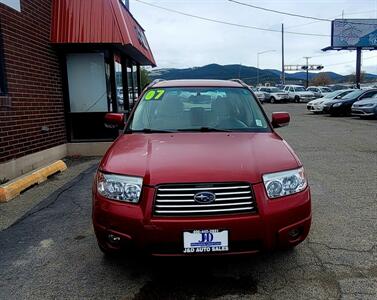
(35, 96)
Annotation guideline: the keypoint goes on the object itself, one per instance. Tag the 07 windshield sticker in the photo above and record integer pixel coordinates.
(154, 95)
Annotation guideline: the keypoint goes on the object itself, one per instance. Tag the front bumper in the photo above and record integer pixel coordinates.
(306, 99)
(364, 112)
(314, 108)
(267, 229)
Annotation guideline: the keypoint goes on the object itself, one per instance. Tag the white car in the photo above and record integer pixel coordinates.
(261, 96)
(319, 91)
(297, 93)
(273, 94)
(316, 106)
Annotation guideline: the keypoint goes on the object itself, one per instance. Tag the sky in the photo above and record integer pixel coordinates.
(179, 41)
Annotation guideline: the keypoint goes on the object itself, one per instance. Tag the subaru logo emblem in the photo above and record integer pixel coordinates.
(205, 197)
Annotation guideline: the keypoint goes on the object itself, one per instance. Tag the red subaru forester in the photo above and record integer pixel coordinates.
(199, 170)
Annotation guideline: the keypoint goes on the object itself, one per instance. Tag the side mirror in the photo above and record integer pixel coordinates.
(280, 119)
(114, 120)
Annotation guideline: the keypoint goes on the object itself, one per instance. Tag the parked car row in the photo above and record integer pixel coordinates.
(357, 102)
(347, 101)
(290, 93)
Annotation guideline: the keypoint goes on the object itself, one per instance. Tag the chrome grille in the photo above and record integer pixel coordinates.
(178, 199)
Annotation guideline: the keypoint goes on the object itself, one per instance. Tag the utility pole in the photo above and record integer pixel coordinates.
(307, 70)
(358, 67)
(282, 55)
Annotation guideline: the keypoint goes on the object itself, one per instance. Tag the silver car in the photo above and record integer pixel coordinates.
(365, 108)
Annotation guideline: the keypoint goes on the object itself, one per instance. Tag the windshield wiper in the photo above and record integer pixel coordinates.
(205, 129)
(149, 130)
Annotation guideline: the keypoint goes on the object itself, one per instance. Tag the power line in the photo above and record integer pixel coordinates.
(291, 14)
(279, 12)
(337, 16)
(228, 23)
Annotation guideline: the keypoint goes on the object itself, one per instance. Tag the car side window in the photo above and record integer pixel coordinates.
(291, 89)
(368, 95)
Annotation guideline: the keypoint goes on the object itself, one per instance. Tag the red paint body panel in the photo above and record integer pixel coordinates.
(98, 22)
(196, 157)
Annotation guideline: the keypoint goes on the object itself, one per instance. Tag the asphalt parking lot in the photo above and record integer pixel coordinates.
(51, 251)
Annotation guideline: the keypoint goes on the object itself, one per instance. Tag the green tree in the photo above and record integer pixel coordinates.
(352, 77)
(321, 79)
(145, 80)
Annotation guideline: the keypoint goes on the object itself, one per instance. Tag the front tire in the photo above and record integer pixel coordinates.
(272, 100)
(297, 99)
(108, 251)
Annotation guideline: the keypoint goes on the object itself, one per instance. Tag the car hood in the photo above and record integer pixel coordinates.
(366, 101)
(315, 101)
(331, 102)
(199, 157)
(305, 93)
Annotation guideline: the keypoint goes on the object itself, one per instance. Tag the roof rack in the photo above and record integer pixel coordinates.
(238, 80)
(154, 82)
(241, 82)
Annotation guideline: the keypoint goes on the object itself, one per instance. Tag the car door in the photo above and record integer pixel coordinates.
(291, 92)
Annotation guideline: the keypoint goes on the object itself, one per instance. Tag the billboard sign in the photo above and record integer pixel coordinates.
(353, 33)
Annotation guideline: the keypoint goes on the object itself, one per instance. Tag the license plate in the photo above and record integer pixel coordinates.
(202, 241)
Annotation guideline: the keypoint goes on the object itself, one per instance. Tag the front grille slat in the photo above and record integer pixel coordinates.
(217, 199)
(202, 211)
(201, 188)
(178, 199)
(204, 205)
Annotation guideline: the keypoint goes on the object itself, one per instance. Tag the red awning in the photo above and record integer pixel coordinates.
(99, 22)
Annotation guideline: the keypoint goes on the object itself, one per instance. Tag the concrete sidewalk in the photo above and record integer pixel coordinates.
(10, 212)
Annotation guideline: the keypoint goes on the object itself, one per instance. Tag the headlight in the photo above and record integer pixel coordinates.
(337, 104)
(285, 183)
(120, 188)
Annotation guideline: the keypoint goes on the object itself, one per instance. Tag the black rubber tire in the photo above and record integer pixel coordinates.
(272, 100)
(297, 99)
(108, 252)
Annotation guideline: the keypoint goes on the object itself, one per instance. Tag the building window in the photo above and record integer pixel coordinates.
(87, 82)
(119, 84)
(3, 83)
(89, 97)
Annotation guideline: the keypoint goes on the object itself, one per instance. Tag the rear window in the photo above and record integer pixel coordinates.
(185, 109)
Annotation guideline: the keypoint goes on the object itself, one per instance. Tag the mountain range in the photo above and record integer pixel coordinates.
(246, 73)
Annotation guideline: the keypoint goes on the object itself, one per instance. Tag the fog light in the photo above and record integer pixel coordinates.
(113, 239)
(294, 233)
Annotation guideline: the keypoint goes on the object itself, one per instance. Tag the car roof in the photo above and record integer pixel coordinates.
(197, 83)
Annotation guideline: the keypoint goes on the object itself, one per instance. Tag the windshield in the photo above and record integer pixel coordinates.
(198, 109)
(353, 94)
(333, 94)
(300, 89)
(326, 90)
(274, 90)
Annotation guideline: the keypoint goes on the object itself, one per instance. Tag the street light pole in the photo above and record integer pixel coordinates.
(259, 53)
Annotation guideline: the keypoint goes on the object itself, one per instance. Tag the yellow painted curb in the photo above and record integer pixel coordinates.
(12, 189)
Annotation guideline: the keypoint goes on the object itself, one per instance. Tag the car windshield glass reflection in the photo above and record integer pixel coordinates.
(299, 89)
(352, 95)
(198, 110)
